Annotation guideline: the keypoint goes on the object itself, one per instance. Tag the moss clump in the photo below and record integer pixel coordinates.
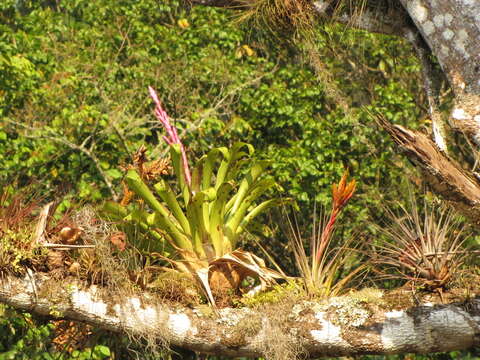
(16, 252)
(368, 295)
(278, 294)
(399, 299)
(175, 287)
(55, 290)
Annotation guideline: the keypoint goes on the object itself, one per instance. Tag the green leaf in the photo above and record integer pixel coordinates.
(114, 173)
(101, 352)
(255, 171)
(198, 212)
(217, 220)
(162, 215)
(256, 211)
(230, 166)
(177, 163)
(114, 210)
(236, 217)
(167, 195)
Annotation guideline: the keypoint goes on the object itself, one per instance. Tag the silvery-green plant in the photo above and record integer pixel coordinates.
(425, 245)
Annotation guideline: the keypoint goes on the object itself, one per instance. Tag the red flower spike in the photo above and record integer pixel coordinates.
(342, 192)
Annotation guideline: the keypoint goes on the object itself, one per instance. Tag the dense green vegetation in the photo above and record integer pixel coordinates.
(74, 107)
(74, 98)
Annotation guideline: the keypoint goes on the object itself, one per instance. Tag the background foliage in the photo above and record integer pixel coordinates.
(74, 99)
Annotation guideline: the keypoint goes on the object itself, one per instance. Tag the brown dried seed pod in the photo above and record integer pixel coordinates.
(118, 239)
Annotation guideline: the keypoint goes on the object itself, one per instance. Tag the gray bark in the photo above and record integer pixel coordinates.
(362, 324)
(451, 28)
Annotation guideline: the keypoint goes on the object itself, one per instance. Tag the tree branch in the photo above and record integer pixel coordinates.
(339, 326)
(371, 17)
(451, 29)
(443, 174)
(431, 86)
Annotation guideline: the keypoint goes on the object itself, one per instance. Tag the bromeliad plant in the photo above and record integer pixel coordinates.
(320, 270)
(199, 227)
(424, 248)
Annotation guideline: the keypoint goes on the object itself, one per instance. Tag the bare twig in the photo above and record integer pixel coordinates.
(66, 246)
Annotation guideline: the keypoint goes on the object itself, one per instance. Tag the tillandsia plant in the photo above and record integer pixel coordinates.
(199, 225)
(425, 245)
(320, 269)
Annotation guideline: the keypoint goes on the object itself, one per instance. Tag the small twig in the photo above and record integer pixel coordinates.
(80, 148)
(66, 246)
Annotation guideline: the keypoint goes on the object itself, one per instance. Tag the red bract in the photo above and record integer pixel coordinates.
(321, 267)
(341, 193)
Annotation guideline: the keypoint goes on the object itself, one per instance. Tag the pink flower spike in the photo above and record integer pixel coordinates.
(175, 137)
(172, 136)
(154, 96)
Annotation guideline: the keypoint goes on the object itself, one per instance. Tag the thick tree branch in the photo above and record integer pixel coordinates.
(452, 30)
(448, 30)
(377, 16)
(340, 326)
(392, 20)
(431, 85)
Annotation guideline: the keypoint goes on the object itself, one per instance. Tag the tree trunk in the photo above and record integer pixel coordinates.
(451, 29)
(366, 322)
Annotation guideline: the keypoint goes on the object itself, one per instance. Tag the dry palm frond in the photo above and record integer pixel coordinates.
(224, 274)
(426, 248)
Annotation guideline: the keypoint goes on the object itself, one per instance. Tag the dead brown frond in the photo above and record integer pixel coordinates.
(17, 223)
(148, 170)
(425, 245)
